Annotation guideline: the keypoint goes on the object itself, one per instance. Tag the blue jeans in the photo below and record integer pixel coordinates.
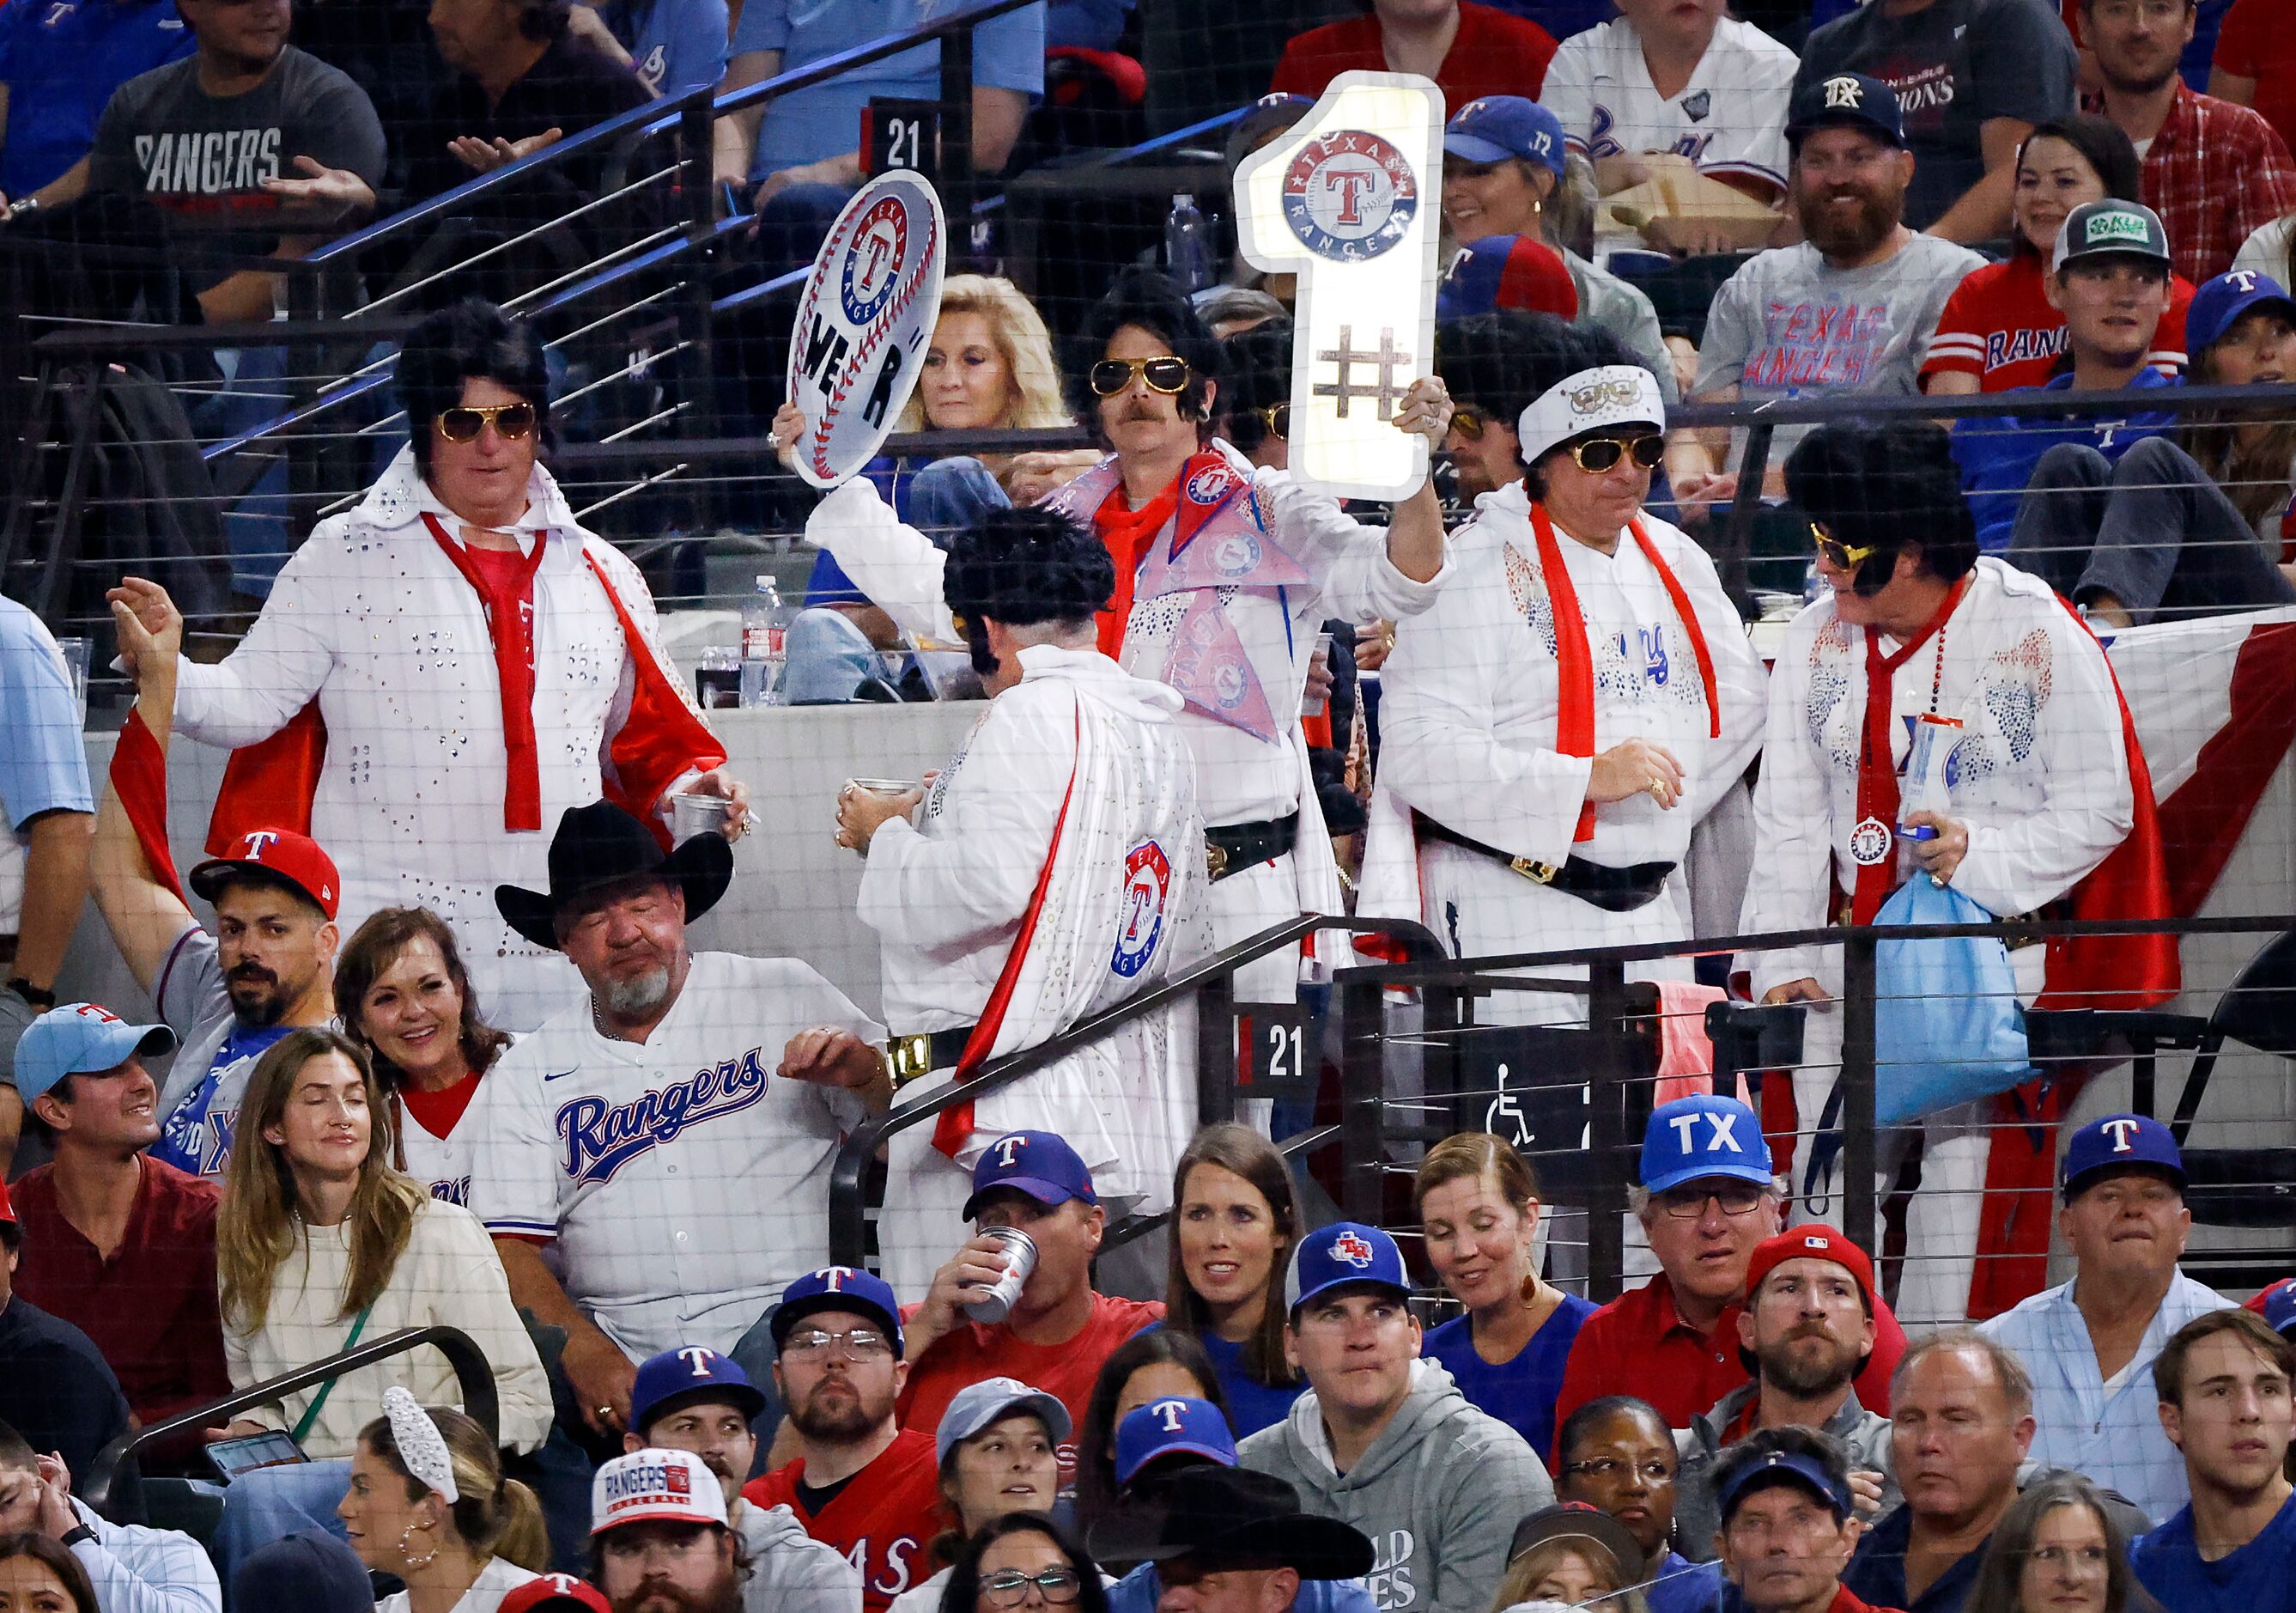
(269, 1502)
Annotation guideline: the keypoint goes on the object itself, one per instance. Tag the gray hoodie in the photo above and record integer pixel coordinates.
(790, 1571)
(1439, 1493)
(1863, 1435)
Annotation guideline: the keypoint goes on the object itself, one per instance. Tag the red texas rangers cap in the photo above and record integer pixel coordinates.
(282, 853)
(1812, 1240)
(555, 1593)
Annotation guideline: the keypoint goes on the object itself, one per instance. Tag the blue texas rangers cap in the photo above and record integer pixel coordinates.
(2277, 1304)
(676, 1377)
(79, 1039)
(1344, 1254)
(2225, 300)
(2118, 1143)
(1040, 1164)
(1492, 128)
(1851, 99)
(1704, 1136)
(838, 1288)
(1176, 1425)
(1507, 271)
(1783, 1467)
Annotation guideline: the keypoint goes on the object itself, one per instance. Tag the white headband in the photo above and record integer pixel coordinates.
(420, 1446)
(1617, 394)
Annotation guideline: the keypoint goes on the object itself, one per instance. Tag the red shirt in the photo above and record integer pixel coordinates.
(2256, 42)
(1638, 1345)
(1493, 53)
(2216, 173)
(881, 1520)
(151, 1307)
(1846, 1601)
(1998, 326)
(1064, 1370)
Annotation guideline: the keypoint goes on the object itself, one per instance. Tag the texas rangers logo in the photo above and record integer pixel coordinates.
(872, 266)
(1147, 883)
(1349, 196)
(1869, 843)
(1237, 554)
(600, 1139)
(1209, 485)
(1354, 1248)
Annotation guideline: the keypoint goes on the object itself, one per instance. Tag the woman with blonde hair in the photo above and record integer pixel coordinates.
(1572, 1555)
(319, 1244)
(428, 1502)
(1479, 1208)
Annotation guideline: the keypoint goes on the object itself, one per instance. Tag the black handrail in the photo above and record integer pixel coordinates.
(848, 1196)
(1820, 409)
(472, 1375)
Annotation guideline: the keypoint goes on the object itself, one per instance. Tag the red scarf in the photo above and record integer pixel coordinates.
(1127, 533)
(270, 784)
(1877, 763)
(1574, 662)
(509, 613)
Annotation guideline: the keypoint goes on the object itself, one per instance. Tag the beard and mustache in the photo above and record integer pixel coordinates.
(1853, 234)
(660, 1596)
(1809, 1372)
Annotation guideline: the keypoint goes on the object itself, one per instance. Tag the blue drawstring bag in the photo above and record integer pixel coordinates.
(1946, 1025)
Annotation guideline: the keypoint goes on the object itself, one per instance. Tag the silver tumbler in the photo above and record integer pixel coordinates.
(998, 1298)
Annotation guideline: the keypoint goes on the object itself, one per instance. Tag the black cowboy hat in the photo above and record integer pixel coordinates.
(1233, 1517)
(600, 845)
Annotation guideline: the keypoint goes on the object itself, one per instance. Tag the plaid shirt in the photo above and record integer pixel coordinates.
(2217, 173)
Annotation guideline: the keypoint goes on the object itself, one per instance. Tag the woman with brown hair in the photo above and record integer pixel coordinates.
(1235, 1221)
(1479, 1206)
(2058, 1549)
(320, 1243)
(39, 1575)
(428, 1503)
(406, 1000)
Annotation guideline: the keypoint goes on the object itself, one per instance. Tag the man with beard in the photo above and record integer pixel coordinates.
(694, 1399)
(267, 968)
(861, 1483)
(2215, 171)
(1850, 308)
(638, 1131)
(659, 1539)
(1807, 1328)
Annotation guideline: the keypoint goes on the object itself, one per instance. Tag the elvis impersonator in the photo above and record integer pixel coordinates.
(1578, 698)
(2049, 813)
(1052, 870)
(1224, 572)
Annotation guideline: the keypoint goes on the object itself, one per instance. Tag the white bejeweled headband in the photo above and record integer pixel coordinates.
(1616, 394)
(420, 1446)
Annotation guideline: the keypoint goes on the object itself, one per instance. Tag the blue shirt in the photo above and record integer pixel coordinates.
(1679, 1586)
(43, 754)
(1252, 1405)
(2112, 1435)
(196, 1135)
(1008, 52)
(2258, 1576)
(1092, 25)
(61, 60)
(674, 44)
(2193, 65)
(1520, 1392)
(1138, 1591)
(1998, 456)
(1877, 1570)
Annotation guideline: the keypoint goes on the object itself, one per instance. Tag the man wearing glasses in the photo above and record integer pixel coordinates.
(1707, 1200)
(695, 1400)
(1574, 703)
(860, 1484)
(2041, 782)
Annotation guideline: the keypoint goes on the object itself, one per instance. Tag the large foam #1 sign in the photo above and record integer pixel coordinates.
(868, 309)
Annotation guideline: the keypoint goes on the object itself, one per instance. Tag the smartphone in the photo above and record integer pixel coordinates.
(233, 1457)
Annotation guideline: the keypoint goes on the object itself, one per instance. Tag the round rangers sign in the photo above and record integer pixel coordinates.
(1147, 881)
(1349, 196)
(1869, 843)
(868, 308)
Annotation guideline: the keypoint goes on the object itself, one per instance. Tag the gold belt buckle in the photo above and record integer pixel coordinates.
(910, 1057)
(1538, 873)
(1215, 859)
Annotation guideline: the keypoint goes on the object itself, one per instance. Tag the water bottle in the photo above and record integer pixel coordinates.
(1187, 245)
(1814, 586)
(764, 630)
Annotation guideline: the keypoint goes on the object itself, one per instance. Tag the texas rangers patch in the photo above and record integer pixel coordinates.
(1349, 196)
(1147, 883)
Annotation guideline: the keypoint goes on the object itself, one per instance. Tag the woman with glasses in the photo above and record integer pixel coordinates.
(1023, 1561)
(445, 668)
(1580, 693)
(2058, 1549)
(1617, 1453)
(999, 1446)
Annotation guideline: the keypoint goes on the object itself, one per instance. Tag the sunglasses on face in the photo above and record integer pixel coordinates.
(1597, 455)
(1278, 418)
(464, 422)
(1468, 421)
(1842, 556)
(1165, 375)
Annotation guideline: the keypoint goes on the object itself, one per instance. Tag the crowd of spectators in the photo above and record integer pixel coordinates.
(617, 1186)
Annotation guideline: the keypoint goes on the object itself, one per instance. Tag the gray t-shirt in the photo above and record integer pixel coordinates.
(202, 159)
(1954, 66)
(1788, 325)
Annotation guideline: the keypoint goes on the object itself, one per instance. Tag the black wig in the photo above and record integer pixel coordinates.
(1156, 304)
(466, 340)
(1023, 568)
(1893, 486)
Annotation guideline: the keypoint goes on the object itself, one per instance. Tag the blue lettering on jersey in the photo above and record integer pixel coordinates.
(455, 1191)
(600, 1139)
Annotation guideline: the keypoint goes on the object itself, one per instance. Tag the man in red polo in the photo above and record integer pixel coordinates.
(1707, 1197)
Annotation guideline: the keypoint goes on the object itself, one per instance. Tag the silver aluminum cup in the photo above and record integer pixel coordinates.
(998, 1298)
